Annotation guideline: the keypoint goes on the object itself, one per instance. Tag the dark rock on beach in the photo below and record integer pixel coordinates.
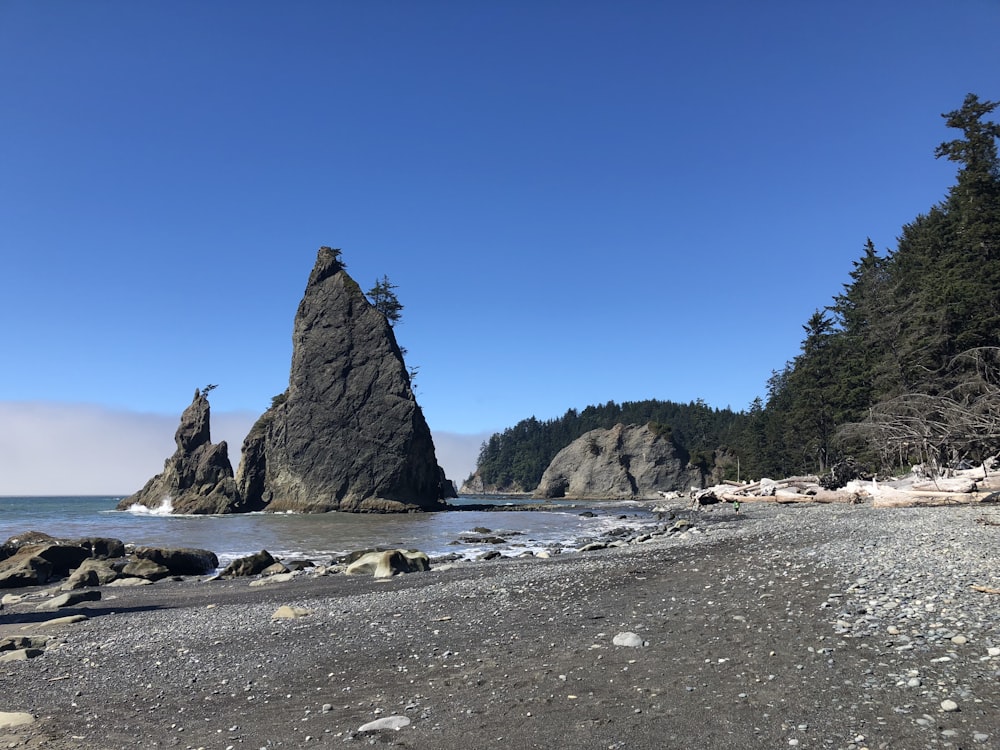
(250, 565)
(34, 564)
(180, 561)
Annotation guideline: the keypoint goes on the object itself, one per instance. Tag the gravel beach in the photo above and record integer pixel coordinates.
(810, 626)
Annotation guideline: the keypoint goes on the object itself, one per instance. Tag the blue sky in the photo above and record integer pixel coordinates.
(579, 201)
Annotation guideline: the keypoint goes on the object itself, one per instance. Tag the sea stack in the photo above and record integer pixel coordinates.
(198, 478)
(348, 433)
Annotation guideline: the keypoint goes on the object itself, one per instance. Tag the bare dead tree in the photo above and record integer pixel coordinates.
(938, 429)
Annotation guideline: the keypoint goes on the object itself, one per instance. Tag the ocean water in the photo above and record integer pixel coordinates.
(320, 537)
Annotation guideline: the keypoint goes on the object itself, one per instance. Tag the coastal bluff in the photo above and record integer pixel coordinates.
(346, 435)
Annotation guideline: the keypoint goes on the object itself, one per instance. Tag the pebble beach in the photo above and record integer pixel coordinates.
(810, 626)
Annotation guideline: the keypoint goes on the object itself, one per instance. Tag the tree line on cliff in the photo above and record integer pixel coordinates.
(902, 366)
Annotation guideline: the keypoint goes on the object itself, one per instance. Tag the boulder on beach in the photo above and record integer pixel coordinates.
(250, 565)
(69, 599)
(387, 563)
(146, 569)
(99, 547)
(180, 561)
(91, 572)
(34, 564)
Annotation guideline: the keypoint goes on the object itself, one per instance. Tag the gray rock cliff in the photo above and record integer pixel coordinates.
(198, 478)
(623, 462)
(348, 433)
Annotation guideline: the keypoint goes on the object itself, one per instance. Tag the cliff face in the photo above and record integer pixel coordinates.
(198, 478)
(348, 433)
(623, 462)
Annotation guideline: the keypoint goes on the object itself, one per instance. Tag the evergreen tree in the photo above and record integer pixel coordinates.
(383, 298)
(973, 231)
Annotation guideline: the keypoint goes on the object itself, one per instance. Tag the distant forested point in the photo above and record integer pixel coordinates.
(516, 458)
(902, 367)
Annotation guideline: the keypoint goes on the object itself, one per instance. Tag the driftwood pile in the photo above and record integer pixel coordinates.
(959, 486)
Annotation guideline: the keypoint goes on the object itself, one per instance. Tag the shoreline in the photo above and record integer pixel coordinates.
(325, 537)
(804, 626)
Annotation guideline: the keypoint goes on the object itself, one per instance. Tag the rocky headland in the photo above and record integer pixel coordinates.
(627, 461)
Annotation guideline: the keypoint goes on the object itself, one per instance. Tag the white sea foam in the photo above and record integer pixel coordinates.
(166, 508)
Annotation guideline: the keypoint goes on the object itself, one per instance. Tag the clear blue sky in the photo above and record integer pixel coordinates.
(579, 201)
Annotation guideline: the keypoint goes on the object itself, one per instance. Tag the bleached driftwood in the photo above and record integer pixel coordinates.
(885, 496)
(751, 489)
(984, 589)
(785, 497)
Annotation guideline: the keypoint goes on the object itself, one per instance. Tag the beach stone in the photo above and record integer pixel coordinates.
(250, 565)
(102, 548)
(80, 580)
(388, 722)
(388, 563)
(69, 599)
(273, 570)
(13, 543)
(34, 564)
(298, 564)
(629, 640)
(94, 569)
(24, 570)
(22, 641)
(11, 719)
(147, 569)
(949, 705)
(288, 612)
(128, 582)
(180, 561)
(56, 621)
(21, 654)
(276, 578)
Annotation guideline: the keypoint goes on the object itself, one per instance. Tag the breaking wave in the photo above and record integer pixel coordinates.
(166, 508)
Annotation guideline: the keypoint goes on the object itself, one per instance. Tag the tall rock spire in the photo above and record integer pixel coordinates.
(348, 433)
(198, 478)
